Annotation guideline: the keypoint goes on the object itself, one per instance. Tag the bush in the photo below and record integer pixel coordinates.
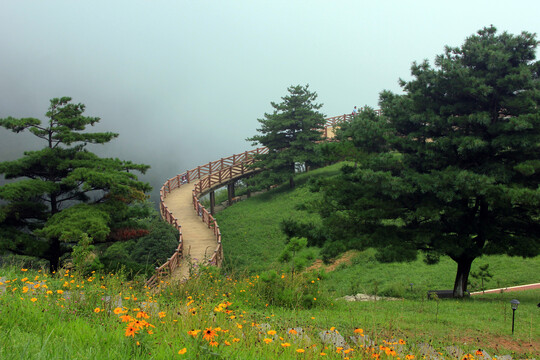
(142, 255)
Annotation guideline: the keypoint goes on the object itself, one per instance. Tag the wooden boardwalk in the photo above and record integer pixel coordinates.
(199, 240)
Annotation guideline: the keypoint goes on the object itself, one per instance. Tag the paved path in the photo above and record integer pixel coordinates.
(507, 289)
(199, 240)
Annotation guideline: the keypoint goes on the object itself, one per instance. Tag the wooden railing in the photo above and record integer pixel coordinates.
(210, 176)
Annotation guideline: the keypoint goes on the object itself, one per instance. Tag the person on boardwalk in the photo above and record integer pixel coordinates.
(354, 112)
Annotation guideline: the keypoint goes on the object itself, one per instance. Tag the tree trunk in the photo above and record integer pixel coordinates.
(462, 276)
(291, 182)
(54, 255)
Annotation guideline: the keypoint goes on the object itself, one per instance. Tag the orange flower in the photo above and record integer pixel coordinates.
(292, 331)
(143, 315)
(300, 350)
(182, 352)
(358, 331)
(322, 354)
(285, 345)
(97, 310)
(161, 314)
(235, 340)
(401, 342)
(271, 332)
(214, 343)
(126, 318)
(33, 299)
(118, 311)
(209, 334)
(479, 352)
(194, 332)
(131, 331)
(267, 340)
(409, 357)
(227, 343)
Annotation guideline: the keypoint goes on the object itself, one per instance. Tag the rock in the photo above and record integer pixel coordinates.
(428, 351)
(455, 352)
(332, 337)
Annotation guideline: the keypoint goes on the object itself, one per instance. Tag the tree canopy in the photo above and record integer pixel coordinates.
(290, 133)
(63, 192)
(459, 174)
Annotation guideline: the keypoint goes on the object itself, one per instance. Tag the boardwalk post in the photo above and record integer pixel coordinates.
(230, 192)
(212, 202)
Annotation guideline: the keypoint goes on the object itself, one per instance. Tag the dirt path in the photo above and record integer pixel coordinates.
(507, 289)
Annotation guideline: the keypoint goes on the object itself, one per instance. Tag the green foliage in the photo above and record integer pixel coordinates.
(290, 133)
(451, 167)
(483, 274)
(290, 254)
(142, 255)
(84, 256)
(49, 207)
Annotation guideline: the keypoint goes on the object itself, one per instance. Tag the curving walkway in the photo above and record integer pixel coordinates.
(199, 240)
(199, 235)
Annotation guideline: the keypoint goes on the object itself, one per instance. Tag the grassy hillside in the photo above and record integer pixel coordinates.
(253, 241)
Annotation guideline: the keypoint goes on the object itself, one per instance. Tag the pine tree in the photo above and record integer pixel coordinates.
(290, 133)
(63, 192)
(460, 176)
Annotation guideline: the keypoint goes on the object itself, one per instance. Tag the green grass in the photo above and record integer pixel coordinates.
(68, 326)
(252, 237)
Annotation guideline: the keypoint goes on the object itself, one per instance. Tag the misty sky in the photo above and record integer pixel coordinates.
(184, 82)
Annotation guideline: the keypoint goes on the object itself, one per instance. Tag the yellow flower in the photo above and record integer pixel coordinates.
(322, 354)
(235, 340)
(60, 291)
(227, 343)
(286, 344)
(33, 299)
(24, 269)
(118, 311)
(24, 279)
(194, 332)
(271, 332)
(300, 350)
(182, 352)
(267, 340)
(161, 314)
(409, 357)
(96, 310)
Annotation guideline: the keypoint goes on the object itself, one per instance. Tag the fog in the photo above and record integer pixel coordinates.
(183, 82)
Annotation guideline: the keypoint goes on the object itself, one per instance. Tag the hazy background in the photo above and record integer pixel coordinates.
(184, 82)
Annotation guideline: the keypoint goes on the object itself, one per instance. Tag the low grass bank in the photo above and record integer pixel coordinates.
(104, 316)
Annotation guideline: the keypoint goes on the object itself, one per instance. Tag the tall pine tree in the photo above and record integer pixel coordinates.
(290, 133)
(64, 193)
(460, 176)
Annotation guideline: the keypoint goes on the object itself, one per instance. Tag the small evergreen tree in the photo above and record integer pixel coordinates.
(64, 193)
(290, 133)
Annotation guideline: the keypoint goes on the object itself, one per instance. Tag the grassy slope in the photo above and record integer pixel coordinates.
(253, 241)
(251, 235)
